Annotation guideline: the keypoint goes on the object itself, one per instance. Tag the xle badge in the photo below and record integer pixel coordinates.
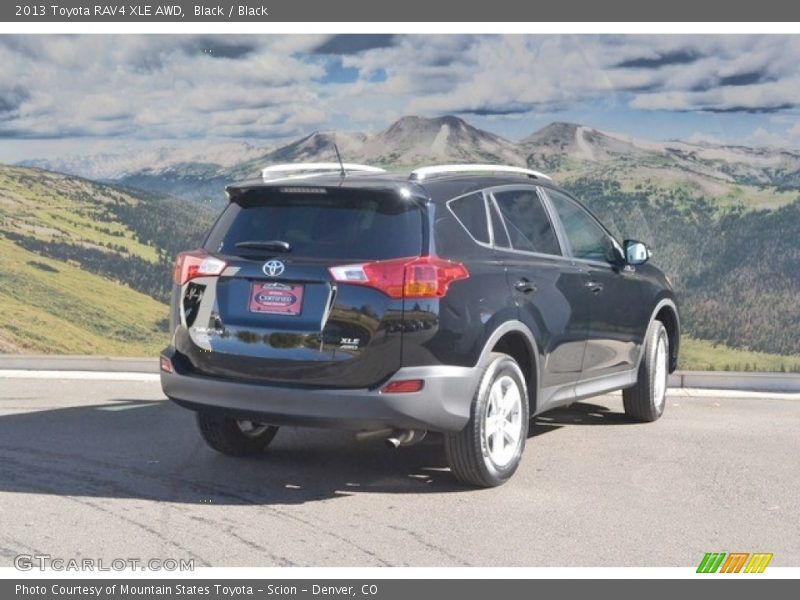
(347, 343)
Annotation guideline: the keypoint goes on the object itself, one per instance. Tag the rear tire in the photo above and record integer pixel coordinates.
(487, 452)
(646, 400)
(235, 437)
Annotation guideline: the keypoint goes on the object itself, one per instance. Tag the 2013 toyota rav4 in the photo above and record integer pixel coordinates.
(462, 299)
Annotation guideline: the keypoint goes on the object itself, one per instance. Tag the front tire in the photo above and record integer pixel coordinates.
(487, 452)
(235, 437)
(646, 400)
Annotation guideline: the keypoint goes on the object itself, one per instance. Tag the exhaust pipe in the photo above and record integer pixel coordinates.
(405, 437)
(363, 436)
(395, 438)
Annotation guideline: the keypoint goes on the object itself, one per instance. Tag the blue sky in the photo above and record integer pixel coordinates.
(84, 94)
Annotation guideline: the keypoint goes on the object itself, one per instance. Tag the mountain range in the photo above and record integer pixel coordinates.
(564, 150)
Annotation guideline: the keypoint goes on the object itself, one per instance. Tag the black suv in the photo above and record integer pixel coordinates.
(462, 299)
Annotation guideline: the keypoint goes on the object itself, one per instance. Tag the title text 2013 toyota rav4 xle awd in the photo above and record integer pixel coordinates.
(461, 299)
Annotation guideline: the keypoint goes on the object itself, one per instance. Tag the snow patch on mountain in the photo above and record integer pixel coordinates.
(111, 166)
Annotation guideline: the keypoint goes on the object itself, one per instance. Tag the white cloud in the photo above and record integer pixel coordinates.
(156, 86)
(775, 139)
(512, 73)
(698, 137)
(264, 87)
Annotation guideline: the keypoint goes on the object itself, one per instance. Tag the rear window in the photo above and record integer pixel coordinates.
(338, 224)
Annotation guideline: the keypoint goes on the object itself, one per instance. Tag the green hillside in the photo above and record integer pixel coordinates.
(736, 269)
(86, 267)
(48, 306)
(663, 177)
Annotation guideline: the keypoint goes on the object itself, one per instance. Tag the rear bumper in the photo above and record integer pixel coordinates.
(442, 405)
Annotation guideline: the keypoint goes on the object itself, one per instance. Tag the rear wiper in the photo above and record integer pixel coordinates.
(278, 245)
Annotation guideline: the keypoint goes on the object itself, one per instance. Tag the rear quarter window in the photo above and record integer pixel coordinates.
(339, 224)
(471, 213)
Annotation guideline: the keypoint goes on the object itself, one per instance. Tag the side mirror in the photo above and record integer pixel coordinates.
(636, 253)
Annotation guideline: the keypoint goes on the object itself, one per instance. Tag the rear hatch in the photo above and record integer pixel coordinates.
(259, 303)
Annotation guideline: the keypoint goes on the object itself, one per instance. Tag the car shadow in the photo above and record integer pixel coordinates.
(580, 413)
(583, 413)
(150, 450)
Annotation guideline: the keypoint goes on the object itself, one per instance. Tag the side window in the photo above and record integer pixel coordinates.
(471, 212)
(588, 240)
(527, 221)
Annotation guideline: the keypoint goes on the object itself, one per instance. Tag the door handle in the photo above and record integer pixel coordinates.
(525, 286)
(594, 286)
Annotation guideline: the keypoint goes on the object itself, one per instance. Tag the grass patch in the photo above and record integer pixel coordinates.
(702, 355)
(50, 306)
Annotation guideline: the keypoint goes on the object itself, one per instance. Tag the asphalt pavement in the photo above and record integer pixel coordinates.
(92, 467)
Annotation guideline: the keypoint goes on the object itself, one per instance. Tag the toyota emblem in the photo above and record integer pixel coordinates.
(273, 268)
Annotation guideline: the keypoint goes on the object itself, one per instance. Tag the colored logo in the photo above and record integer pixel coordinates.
(734, 562)
(273, 268)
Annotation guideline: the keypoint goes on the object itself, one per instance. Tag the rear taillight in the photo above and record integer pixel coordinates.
(197, 263)
(421, 277)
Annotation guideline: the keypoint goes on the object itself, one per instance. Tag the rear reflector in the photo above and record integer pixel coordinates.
(421, 277)
(403, 386)
(166, 365)
(197, 263)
